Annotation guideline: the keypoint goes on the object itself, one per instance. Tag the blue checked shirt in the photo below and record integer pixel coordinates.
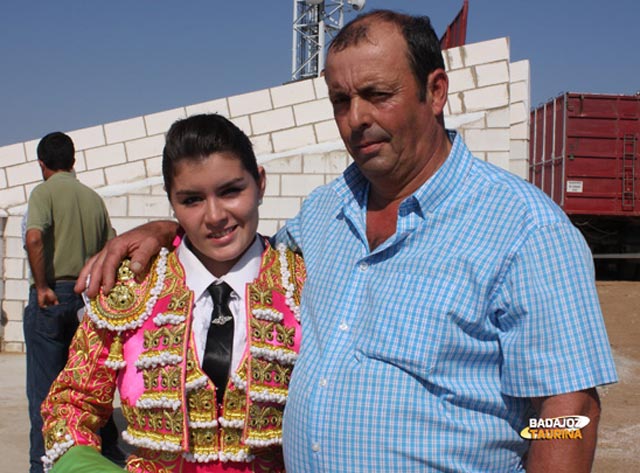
(421, 355)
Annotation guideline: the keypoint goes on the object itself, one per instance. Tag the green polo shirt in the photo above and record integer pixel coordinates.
(74, 223)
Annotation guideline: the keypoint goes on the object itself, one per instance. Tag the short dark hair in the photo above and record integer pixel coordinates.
(199, 136)
(423, 46)
(56, 151)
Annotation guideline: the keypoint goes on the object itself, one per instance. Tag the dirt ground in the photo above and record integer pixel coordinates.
(619, 433)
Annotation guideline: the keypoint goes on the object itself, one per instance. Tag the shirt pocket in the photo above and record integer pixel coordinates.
(403, 323)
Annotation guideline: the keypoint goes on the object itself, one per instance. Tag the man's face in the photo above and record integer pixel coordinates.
(375, 98)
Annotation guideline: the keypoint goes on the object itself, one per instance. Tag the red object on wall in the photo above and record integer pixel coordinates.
(584, 153)
(456, 33)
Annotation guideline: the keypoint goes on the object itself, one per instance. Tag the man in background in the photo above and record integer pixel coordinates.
(67, 223)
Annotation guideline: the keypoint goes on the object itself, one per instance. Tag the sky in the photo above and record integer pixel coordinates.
(70, 64)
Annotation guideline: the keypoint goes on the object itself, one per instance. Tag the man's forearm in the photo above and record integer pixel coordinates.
(566, 455)
(35, 255)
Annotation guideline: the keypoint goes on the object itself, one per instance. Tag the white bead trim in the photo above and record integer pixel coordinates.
(163, 402)
(286, 357)
(270, 315)
(55, 452)
(266, 396)
(146, 442)
(238, 382)
(198, 424)
(263, 443)
(241, 456)
(231, 424)
(161, 271)
(164, 359)
(168, 319)
(286, 281)
(196, 383)
(115, 365)
(200, 457)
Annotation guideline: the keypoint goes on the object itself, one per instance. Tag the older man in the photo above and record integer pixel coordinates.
(453, 305)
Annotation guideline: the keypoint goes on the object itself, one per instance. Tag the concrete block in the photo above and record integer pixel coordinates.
(28, 188)
(331, 177)
(116, 206)
(519, 92)
(125, 173)
(14, 246)
(3, 178)
(279, 119)
(16, 289)
(12, 154)
(144, 148)
(456, 103)
(153, 166)
(320, 85)
(244, 123)
(461, 79)
(486, 98)
(327, 131)
(13, 226)
(520, 71)
(245, 104)
(273, 185)
(279, 207)
(125, 130)
(292, 93)
(498, 118)
(261, 145)
(105, 156)
(486, 51)
(288, 165)
(301, 184)
(267, 227)
(149, 206)
(12, 196)
(519, 149)
(13, 331)
(158, 190)
(81, 163)
(518, 113)
(23, 174)
(311, 112)
(13, 268)
(492, 139)
(218, 106)
(14, 309)
(500, 159)
(520, 131)
(12, 347)
(86, 138)
(159, 123)
(453, 59)
(122, 225)
(31, 149)
(292, 139)
(520, 168)
(328, 163)
(93, 179)
(492, 73)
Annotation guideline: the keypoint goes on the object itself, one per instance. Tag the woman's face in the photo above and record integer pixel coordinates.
(216, 202)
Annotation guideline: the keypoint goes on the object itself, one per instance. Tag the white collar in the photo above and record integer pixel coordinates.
(198, 278)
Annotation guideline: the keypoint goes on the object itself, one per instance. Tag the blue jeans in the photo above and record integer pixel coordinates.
(47, 334)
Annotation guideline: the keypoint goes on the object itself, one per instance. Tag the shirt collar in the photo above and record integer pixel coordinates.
(198, 278)
(353, 185)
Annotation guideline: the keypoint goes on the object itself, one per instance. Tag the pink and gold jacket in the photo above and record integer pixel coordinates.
(138, 339)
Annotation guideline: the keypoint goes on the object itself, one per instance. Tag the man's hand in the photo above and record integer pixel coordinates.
(566, 455)
(46, 297)
(140, 244)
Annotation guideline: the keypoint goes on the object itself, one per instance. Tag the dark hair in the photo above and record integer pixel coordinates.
(423, 47)
(199, 136)
(56, 151)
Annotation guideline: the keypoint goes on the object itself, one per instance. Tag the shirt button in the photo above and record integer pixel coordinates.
(343, 326)
(315, 447)
(363, 266)
(323, 382)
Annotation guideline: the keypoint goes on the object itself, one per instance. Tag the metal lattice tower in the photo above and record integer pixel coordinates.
(315, 23)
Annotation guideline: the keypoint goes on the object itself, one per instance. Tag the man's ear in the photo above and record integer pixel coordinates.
(262, 182)
(437, 90)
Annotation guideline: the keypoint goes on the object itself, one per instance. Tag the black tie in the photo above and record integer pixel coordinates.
(217, 353)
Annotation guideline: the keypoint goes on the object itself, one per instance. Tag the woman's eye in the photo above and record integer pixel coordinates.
(190, 200)
(231, 191)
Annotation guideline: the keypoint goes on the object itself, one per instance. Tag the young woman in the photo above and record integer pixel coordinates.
(202, 350)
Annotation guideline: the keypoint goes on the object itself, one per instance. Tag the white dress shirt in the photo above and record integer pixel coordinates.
(198, 279)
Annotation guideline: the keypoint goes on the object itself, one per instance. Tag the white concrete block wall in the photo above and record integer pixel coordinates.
(294, 136)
